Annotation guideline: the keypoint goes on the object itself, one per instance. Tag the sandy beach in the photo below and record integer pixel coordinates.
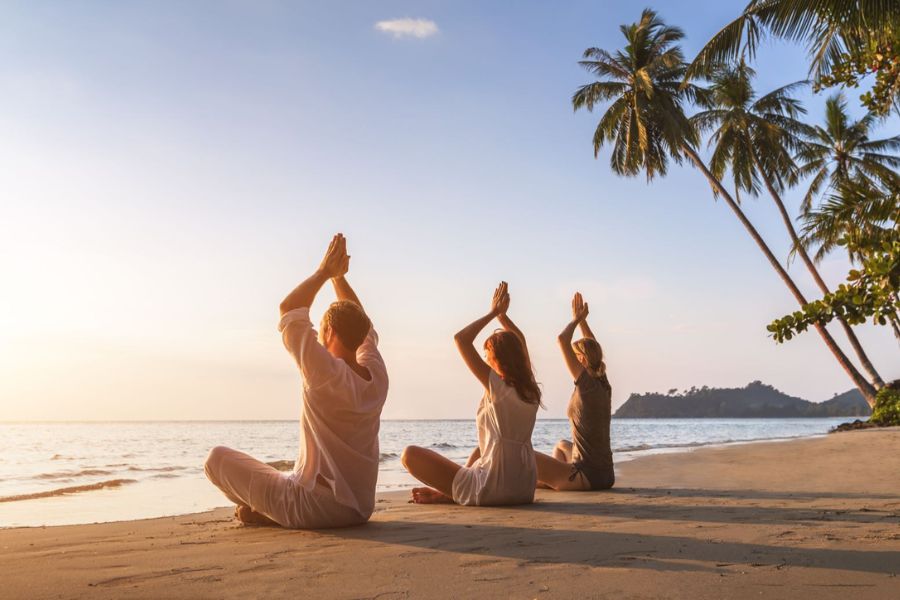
(806, 518)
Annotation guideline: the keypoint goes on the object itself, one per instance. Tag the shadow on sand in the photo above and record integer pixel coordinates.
(611, 549)
(546, 542)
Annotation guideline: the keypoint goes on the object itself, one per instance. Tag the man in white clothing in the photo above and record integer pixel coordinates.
(344, 389)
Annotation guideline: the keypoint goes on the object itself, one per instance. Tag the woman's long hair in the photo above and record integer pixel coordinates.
(515, 366)
(593, 354)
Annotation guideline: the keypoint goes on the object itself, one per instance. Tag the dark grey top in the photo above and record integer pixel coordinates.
(590, 411)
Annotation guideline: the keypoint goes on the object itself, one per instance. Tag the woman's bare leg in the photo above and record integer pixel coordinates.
(563, 451)
(559, 475)
(427, 495)
(432, 469)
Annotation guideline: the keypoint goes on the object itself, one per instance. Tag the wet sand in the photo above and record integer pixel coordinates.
(814, 518)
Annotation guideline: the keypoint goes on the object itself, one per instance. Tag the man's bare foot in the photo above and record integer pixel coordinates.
(427, 495)
(248, 516)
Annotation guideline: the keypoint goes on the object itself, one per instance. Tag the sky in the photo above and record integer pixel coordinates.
(170, 171)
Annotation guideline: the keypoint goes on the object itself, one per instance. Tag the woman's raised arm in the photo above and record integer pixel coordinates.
(579, 317)
(465, 338)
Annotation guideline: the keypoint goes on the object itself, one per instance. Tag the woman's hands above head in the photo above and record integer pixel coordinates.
(500, 301)
(336, 262)
(579, 319)
(579, 308)
(465, 337)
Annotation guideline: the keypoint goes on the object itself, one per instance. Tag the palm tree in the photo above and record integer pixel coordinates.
(859, 180)
(857, 212)
(754, 137)
(646, 120)
(862, 212)
(646, 126)
(829, 28)
(841, 152)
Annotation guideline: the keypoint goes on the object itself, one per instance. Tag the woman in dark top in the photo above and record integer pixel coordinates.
(586, 462)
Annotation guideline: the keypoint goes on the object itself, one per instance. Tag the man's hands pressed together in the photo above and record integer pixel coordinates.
(336, 262)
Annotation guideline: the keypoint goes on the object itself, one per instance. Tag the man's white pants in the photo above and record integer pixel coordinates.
(249, 482)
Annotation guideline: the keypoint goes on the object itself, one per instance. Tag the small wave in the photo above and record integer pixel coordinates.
(68, 490)
(443, 446)
(387, 456)
(282, 465)
(156, 469)
(71, 474)
(164, 476)
(640, 447)
(637, 448)
(57, 457)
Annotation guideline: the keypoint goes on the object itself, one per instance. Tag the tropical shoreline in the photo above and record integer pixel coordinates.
(161, 488)
(732, 521)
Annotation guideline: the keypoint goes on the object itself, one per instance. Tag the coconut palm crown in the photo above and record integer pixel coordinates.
(840, 152)
(752, 136)
(645, 122)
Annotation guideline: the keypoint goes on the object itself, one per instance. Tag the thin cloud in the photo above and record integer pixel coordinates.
(400, 28)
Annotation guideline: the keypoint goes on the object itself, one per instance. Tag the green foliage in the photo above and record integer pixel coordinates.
(887, 406)
(847, 40)
(861, 213)
(881, 59)
(871, 292)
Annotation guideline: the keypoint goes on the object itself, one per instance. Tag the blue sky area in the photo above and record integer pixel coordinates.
(172, 170)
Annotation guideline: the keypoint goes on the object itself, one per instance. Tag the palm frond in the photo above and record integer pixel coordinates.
(813, 190)
(725, 46)
(591, 94)
(891, 143)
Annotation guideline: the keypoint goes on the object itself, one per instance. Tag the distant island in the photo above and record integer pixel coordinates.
(756, 400)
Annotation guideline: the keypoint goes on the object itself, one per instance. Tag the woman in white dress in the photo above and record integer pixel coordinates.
(502, 470)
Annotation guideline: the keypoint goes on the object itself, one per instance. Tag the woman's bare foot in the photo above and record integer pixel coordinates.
(427, 495)
(248, 516)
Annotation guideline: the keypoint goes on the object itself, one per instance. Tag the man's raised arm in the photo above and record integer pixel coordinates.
(334, 265)
(344, 291)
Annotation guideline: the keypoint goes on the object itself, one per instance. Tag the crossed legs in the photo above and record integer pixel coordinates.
(557, 472)
(433, 470)
(233, 472)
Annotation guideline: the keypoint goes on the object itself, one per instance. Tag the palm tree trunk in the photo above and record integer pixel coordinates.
(895, 325)
(788, 223)
(865, 388)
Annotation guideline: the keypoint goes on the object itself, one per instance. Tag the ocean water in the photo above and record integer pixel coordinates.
(65, 473)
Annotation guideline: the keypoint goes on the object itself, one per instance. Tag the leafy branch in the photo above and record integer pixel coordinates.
(870, 292)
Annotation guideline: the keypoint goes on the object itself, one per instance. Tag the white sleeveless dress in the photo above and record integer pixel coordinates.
(506, 473)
